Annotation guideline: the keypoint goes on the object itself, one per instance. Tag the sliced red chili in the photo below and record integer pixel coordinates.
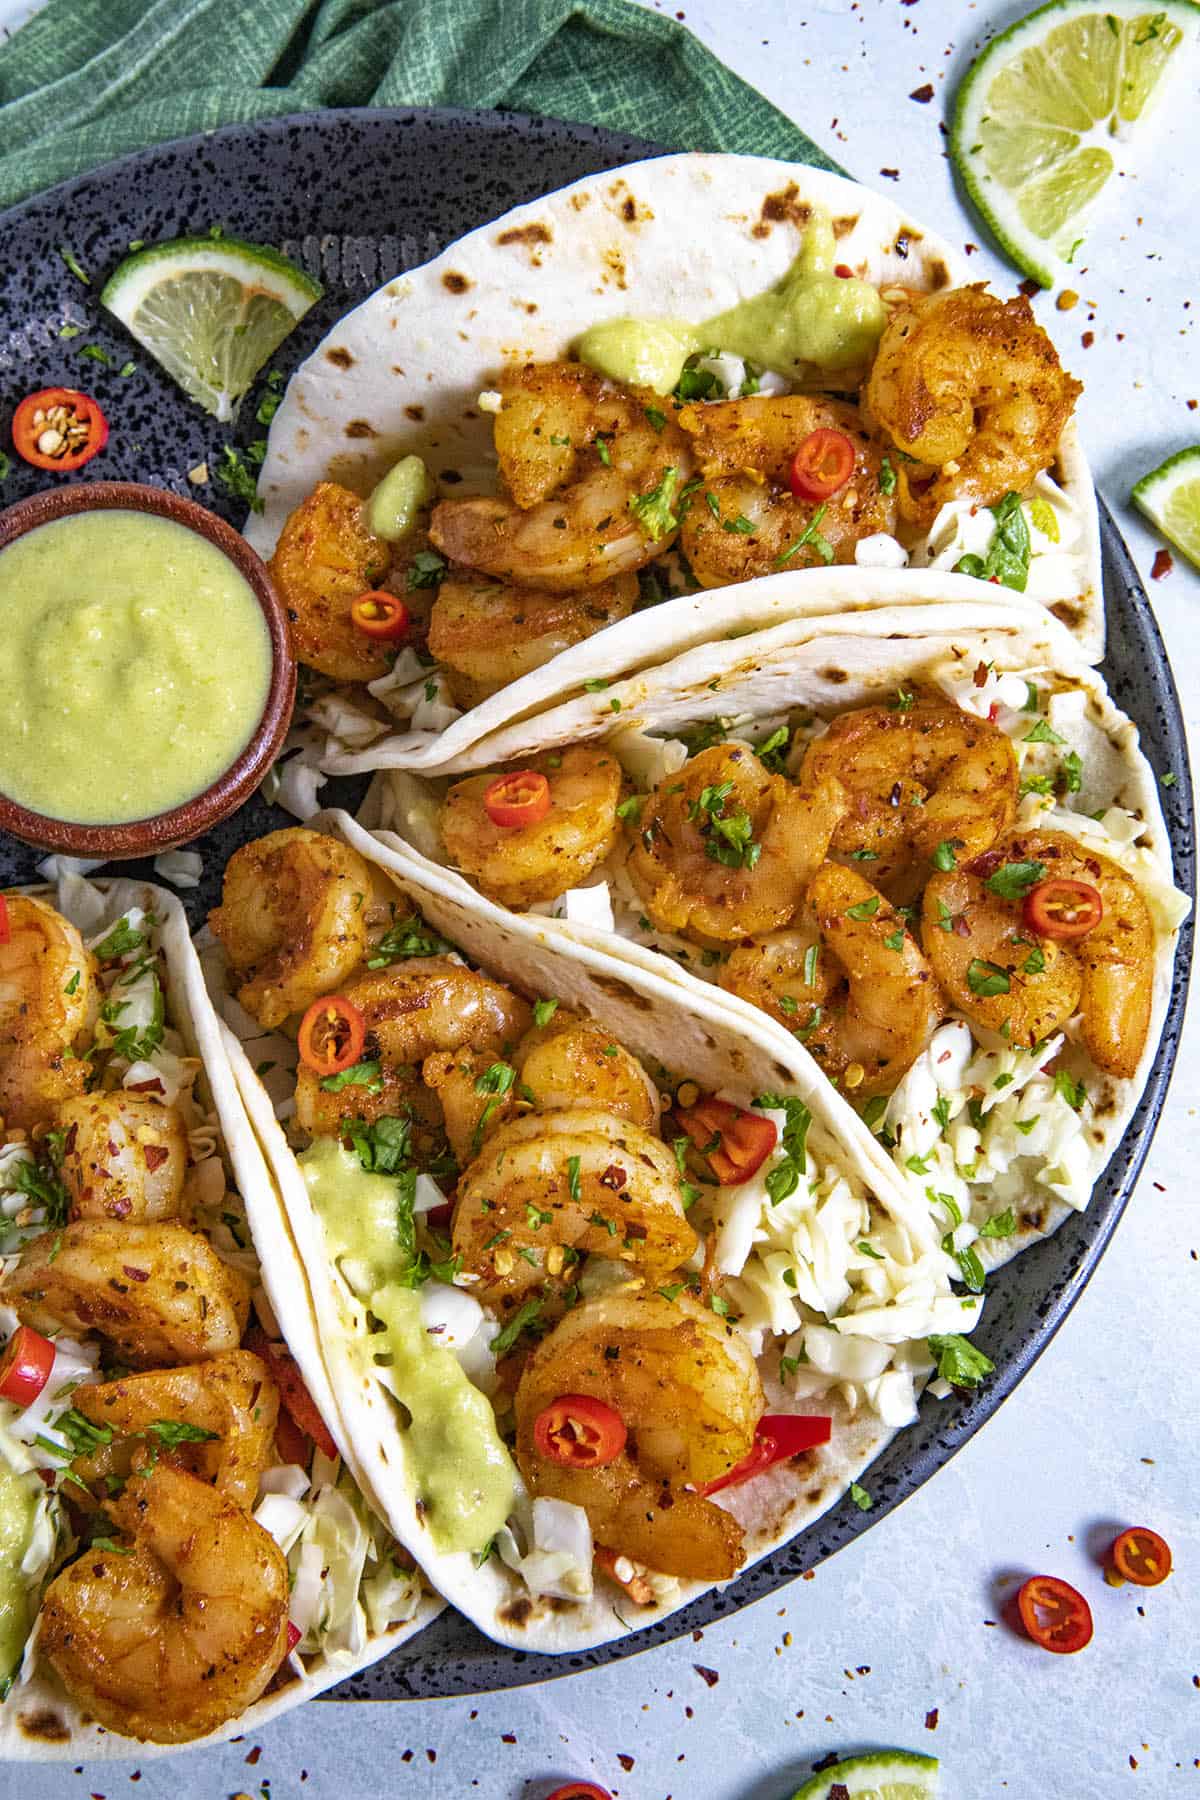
(579, 1432)
(292, 1390)
(25, 1366)
(1055, 1615)
(291, 1444)
(635, 1583)
(380, 614)
(59, 429)
(294, 1634)
(580, 1790)
(1062, 908)
(777, 1437)
(332, 1035)
(823, 464)
(1141, 1556)
(735, 1143)
(522, 798)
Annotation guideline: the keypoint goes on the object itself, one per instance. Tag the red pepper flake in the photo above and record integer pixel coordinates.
(708, 1676)
(254, 1755)
(508, 1737)
(1164, 562)
(1029, 287)
(970, 249)
(931, 1719)
(1088, 339)
(432, 1755)
(839, 1791)
(993, 712)
(981, 674)
(923, 95)
(153, 1086)
(156, 1156)
(1133, 1762)
(407, 1756)
(1192, 405)
(843, 271)
(892, 174)
(144, 1275)
(614, 1177)
(626, 1762)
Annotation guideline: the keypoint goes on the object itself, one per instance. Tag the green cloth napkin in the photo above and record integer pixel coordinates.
(87, 80)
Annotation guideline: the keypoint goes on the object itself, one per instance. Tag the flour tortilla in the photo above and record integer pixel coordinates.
(831, 664)
(682, 236)
(679, 1023)
(40, 1722)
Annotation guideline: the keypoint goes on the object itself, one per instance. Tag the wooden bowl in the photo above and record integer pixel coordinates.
(166, 830)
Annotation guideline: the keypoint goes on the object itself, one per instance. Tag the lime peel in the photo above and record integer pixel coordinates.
(1170, 497)
(877, 1775)
(211, 311)
(1049, 112)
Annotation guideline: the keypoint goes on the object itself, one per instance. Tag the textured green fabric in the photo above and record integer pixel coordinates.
(87, 80)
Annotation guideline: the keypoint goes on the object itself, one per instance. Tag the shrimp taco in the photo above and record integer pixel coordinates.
(183, 1551)
(681, 377)
(530, 1183)
(923, 844)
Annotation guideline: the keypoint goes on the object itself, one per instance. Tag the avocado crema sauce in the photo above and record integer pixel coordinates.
(457, 1468)
(135, 663)
(812, 319)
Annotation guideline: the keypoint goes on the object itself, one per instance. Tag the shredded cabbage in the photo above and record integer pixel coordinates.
(559, 1561)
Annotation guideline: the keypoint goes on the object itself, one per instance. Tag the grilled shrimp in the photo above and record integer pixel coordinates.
(970, 386)
(916, 779)
(1032, 984)
(411, 1011)
(566, 1063)
(231, 1396)
(724, 849)
(292, 920)
(579, 456)
(575, 1181)
(743, 520)
(518, 865)
(48, 1004)
(882, 1011)
(159, 1293)
(486, 634)
(185, 1630)
(687, 1389)
(324, 560)
(124, 1156)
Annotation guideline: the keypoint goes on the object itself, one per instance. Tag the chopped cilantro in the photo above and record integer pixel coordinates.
(1013, 880)
(958, 1361)
(987, 978)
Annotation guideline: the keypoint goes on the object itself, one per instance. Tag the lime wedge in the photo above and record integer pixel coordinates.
(211, 311)
(1170, 495)
(1050, 111)
(879, 1775)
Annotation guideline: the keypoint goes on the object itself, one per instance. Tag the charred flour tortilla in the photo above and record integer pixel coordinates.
(682, 237)
(822, 666)
(39, 1720)
(664, 1018)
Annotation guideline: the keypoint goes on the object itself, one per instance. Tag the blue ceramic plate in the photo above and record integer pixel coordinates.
(410, 183)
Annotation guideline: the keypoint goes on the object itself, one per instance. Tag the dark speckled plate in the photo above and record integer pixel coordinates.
(356, 197)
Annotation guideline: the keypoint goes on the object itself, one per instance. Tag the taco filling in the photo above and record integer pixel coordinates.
(177, 1533)
(604, 1301)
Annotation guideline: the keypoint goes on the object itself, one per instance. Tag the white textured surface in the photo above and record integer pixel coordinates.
(1104, 1430)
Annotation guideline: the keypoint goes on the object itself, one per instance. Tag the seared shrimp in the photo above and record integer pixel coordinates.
(182, 1632)
(124, 1156)
(159, 1293)
(574, 1182)
(486, 634)
(970, 386)
(1001, 972)
(232, 1397)
(292, 920)
(324, 560)
(916, 779)
(876, 1021)
(581, 458)
(411, 1011)
(725, 849)
(566, 1063)
(741, 523)
(520, 864)
(48, 1004)
(685, 1384)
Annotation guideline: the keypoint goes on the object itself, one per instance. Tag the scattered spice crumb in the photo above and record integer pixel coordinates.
(508, 1737)
(787, 1640)
(253, 1755)
(1088, 339)
(931, 1719)
(1164, 562)
(407, 1756)
(709, 1676)
(1133, 1762)
(625, 1761)
(1192, 405)
(1067, 299)
(892, 174)
(924, 94)
(432, 1755)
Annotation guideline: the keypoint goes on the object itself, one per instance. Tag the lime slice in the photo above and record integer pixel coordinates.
(879, 1775)
(1170, 495)
(211, 311)
(1049, 113)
